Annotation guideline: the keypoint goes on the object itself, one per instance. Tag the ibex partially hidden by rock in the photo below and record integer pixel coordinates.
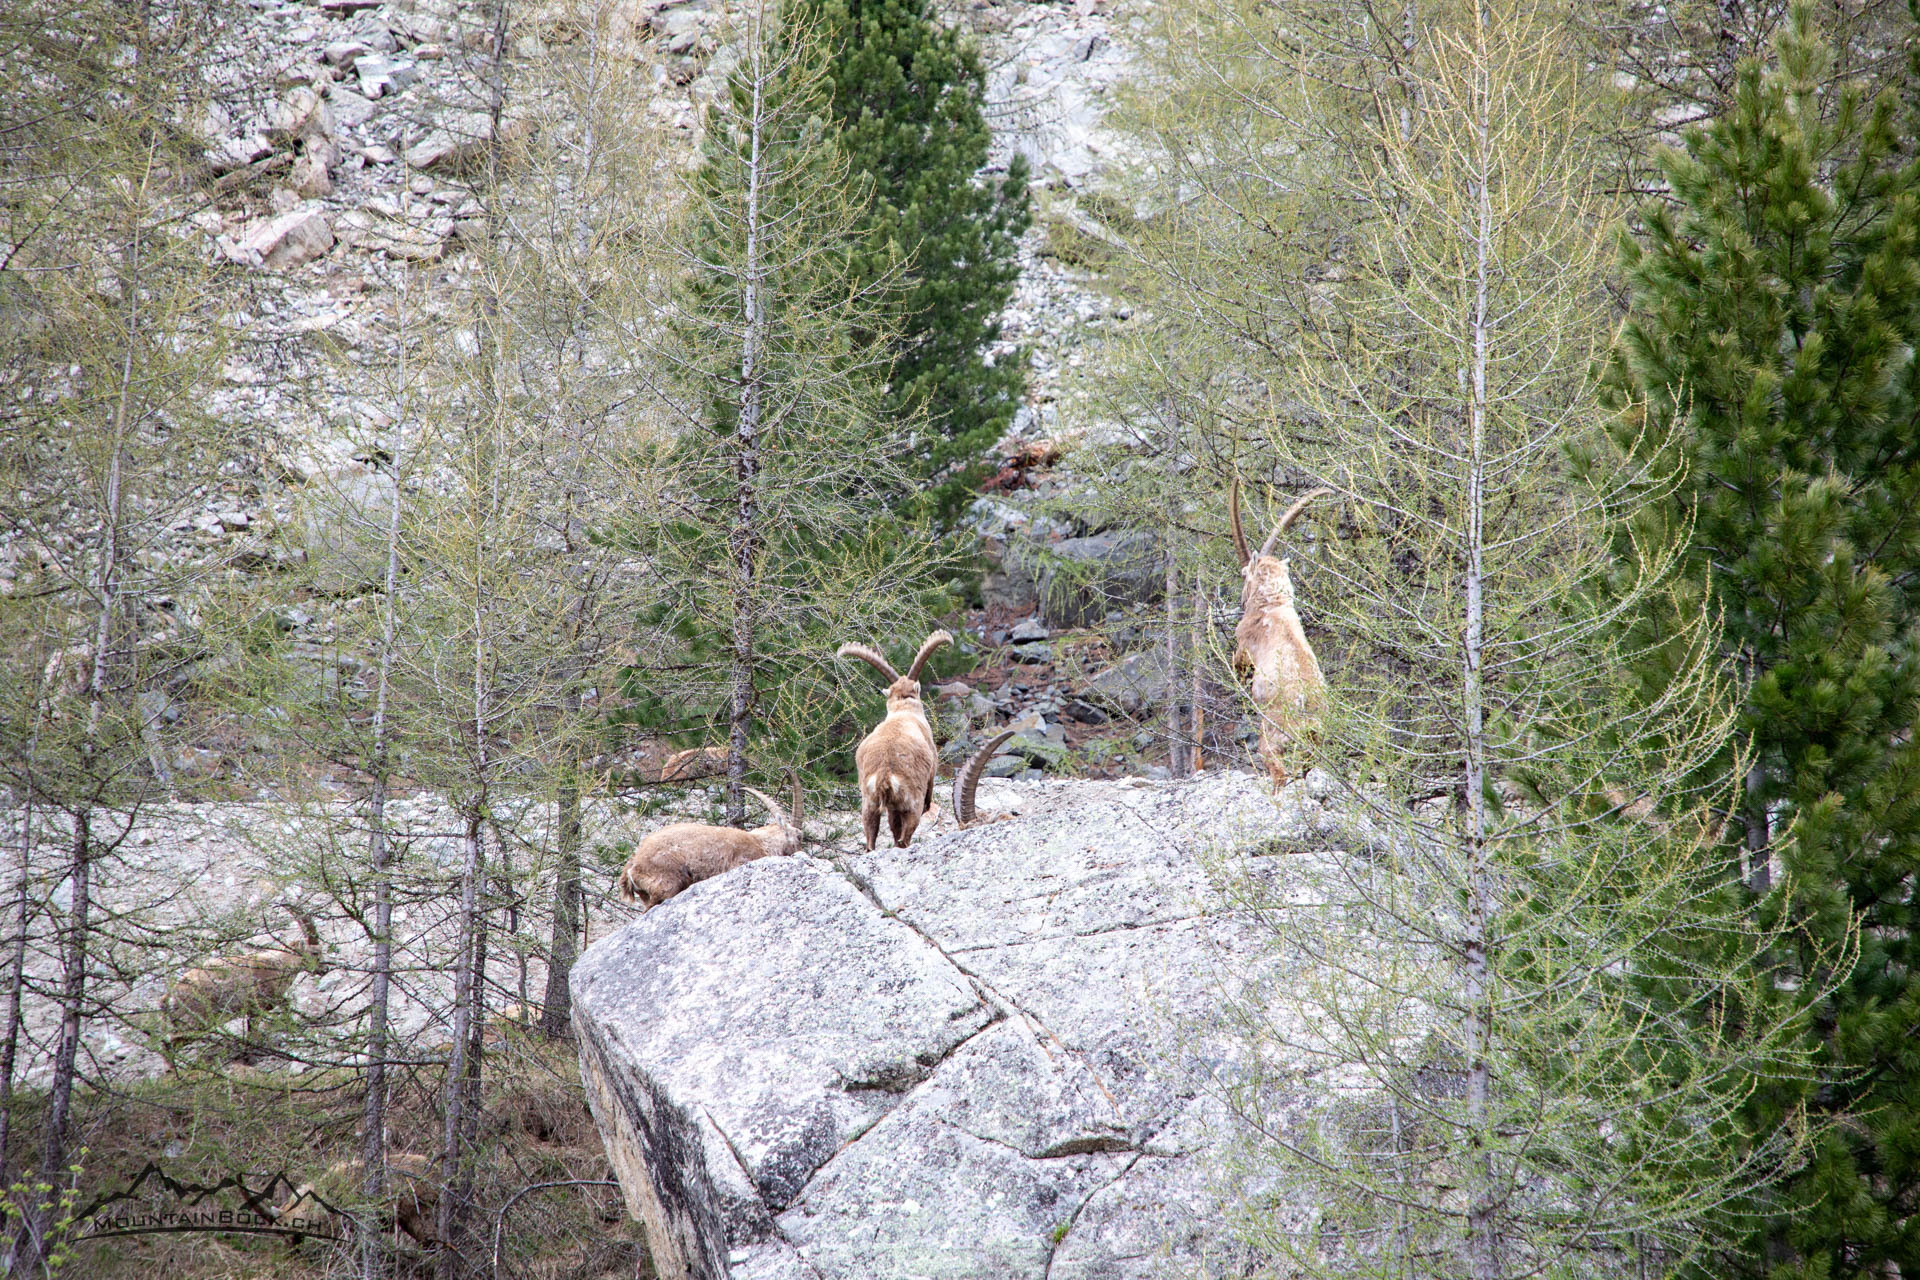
(966, 781)
(1271, 646)
(672, 858)
(897, 760)
(250, 984)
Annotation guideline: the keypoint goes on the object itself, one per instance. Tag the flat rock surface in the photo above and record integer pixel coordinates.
(951, 1060)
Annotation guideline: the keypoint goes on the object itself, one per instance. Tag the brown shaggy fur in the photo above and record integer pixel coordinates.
(694, 764)
(1271, 646)
(674, 857)
(897, 761)
(228, 986)
(412, 1191)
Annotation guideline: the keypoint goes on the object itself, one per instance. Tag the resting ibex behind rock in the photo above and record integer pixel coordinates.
(897, 761)
(250, 984)
(966, 781)
(672, 858)
(1271, 646)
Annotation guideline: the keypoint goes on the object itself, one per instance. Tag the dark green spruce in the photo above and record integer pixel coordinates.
(906, 92)
(1770, 345)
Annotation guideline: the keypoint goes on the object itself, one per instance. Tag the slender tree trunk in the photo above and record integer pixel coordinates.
(1197, 662)
(373, 1112)
(454, 1120)
(1758, 844)
(30, 1244)
(1174, 714)
(1482, 1244)
(743, 538)
(75, 939)
(557, 1006)
(476, 1053)
(18, 920)
(373, 1107)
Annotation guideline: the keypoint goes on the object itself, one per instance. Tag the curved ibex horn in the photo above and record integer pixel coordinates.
(1266, 548)
(1239, 534)
(873, 657)
(773, 806)
(793, 777)
(927, 647)
(306, 925)
(966, 780)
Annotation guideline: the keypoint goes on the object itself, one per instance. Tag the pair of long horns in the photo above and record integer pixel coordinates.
(1266, 548)
(966, 780)
(773, 806)
(878, 661)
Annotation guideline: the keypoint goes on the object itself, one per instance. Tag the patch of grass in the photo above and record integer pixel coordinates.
(202, 1125)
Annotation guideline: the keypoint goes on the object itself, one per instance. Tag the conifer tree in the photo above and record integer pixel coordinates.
(1776, 311)
(780, 544)
(906, 93)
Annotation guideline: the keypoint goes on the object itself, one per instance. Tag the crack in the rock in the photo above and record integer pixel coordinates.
(1060, 1234)
(922, 1070)
(800, 1191)
(1098, 1144)
(794, 1249)
(981, 985)
(1090, 933)
(773, 1218)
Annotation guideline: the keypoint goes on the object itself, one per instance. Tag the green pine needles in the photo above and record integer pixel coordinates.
(1776, 312)
(906, 94)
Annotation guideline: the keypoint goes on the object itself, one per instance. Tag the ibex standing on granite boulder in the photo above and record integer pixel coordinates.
(672, 858)
(1271, 646)
(897, 760)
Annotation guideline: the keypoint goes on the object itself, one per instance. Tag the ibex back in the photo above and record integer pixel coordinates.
(1271, 646)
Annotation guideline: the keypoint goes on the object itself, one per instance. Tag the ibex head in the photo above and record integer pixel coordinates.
(903, 691)
(786, 826)
(1263, 577)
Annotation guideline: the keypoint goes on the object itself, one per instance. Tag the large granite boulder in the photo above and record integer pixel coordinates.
(947, 1061)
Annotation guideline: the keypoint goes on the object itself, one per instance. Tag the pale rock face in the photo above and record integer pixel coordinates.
(301, 114)
(282, 243)
(955, 1060)
(311, 177)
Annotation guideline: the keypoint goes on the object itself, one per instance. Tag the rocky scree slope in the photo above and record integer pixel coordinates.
(340, 141)
(982, 1056)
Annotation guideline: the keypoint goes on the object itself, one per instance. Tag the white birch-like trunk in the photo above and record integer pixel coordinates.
(1482, 1242)
(743, 538)
(454, 1120)
(1174, 714)
(373, 1113)
(1196, 661)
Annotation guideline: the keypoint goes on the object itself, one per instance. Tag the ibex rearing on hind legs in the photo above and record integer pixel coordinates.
(1271, 646)
(897, 760)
